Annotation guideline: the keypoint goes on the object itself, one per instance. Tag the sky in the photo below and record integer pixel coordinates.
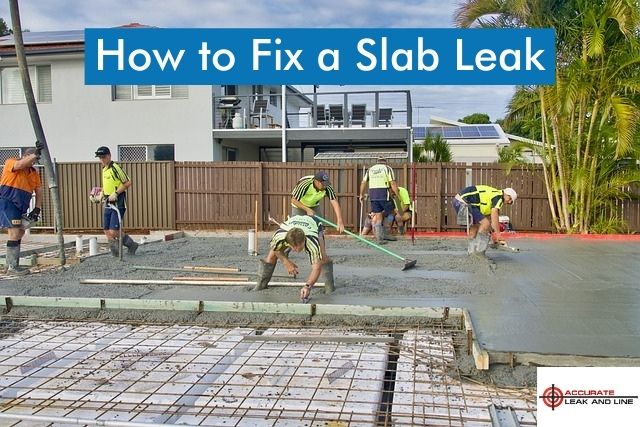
(452, 102)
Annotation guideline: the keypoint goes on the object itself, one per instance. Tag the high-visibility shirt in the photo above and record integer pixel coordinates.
(484, 197)
(379, 177)
(19, 185)
(404, 200)
(309, 226)
(112, 177)
(307, 194)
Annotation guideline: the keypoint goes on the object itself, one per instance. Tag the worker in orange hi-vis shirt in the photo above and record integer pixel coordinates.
(18, 183)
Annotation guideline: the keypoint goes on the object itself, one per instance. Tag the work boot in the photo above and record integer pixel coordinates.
(378, 231)
(387, 235)
(13, 259)
(132, 246)
(481, 244)
(114, 247)
(265, 271)
(326, 276)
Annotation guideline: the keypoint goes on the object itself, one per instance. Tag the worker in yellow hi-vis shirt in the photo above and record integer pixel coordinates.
(115, 184)
(382, 189)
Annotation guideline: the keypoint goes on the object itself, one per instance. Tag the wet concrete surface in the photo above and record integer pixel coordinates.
(557, 296)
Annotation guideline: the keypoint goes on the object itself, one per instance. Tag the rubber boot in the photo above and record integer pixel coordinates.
(482, 242)
(378, 231)
(13, 259)
(132, 246)
(114, 246)
(401, 229)
(388, 236)
(265, 271)
(326, 276)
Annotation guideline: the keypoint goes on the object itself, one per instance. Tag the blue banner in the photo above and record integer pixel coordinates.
(389, 56)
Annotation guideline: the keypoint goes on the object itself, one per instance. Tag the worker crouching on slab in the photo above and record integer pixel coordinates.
(298, 233)
(482, 205)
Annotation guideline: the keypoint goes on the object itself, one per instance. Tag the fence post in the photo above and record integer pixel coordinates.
(440, 197)
(260, 195)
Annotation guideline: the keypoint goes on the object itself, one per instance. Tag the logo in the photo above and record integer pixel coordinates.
(553, 397)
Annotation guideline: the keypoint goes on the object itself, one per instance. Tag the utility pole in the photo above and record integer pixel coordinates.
(37, 124)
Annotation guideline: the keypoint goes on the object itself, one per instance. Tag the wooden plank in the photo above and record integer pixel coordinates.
(214, 278)
(211, 269)
(56, 261)
(351, 339)
(257, 307)
(187, 283)
(30, 301)
(145, 304)
(365, 310)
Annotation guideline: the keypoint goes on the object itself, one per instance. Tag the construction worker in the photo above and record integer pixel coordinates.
(382, 187)
(309, 191)
(482, 203)
(404, 209)
(115, 184)
(298, 233)
(19, 181)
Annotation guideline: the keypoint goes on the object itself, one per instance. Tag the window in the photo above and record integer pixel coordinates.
(11, 84)
(257, 90)
(229, 154)
(230, 90)
(273, 97)
(150, 92)
(143, 153)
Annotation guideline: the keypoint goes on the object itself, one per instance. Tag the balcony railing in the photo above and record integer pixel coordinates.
(358, 109)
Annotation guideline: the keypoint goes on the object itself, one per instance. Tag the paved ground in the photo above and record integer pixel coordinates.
(556, 296)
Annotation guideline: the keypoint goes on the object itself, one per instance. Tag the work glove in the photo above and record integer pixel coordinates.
(39, 148)
(113, 197)
(34, 215)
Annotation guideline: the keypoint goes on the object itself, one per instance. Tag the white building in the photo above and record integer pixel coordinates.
(153, 122)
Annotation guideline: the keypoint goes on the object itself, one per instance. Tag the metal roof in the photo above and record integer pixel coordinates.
(361, 155)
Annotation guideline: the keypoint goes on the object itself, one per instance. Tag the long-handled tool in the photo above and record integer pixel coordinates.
(503, 246)
(115, 208)
(360, 219)
(408, 263)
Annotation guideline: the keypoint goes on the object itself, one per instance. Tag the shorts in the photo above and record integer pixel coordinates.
(382, 206)
(110, 218)
(473, 210)
(10, 215)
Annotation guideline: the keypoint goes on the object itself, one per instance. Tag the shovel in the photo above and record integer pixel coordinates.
(408, 263)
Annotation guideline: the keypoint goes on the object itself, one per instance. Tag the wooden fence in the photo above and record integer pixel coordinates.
(223, 195)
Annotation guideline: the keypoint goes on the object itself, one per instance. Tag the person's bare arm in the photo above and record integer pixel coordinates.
(289, 265)
(25, 162)
(298, 204)
(338, 211)
(316, 268)
(495, 224)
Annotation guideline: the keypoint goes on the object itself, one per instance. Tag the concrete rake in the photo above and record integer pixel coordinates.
(408, 263)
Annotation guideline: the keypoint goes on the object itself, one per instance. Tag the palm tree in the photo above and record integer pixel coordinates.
(589, 118)
(432, 149)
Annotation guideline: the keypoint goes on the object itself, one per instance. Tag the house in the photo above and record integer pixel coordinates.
(471, 143)
(177, 122)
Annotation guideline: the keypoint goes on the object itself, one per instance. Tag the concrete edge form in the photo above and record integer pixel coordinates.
(368, 310)
(480, 356)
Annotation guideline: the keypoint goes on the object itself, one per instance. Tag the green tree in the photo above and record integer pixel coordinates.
(476, 119)
(433, 149)
(4, 28)
(588, 120)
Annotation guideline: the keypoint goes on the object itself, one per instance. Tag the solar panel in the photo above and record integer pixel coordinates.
(434, 131)
(47, 37)
(470, 131)
(419, 132)
(488, 131)
(451, 132)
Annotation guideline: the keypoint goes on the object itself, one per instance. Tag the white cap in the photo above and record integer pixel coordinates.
(511, 192)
